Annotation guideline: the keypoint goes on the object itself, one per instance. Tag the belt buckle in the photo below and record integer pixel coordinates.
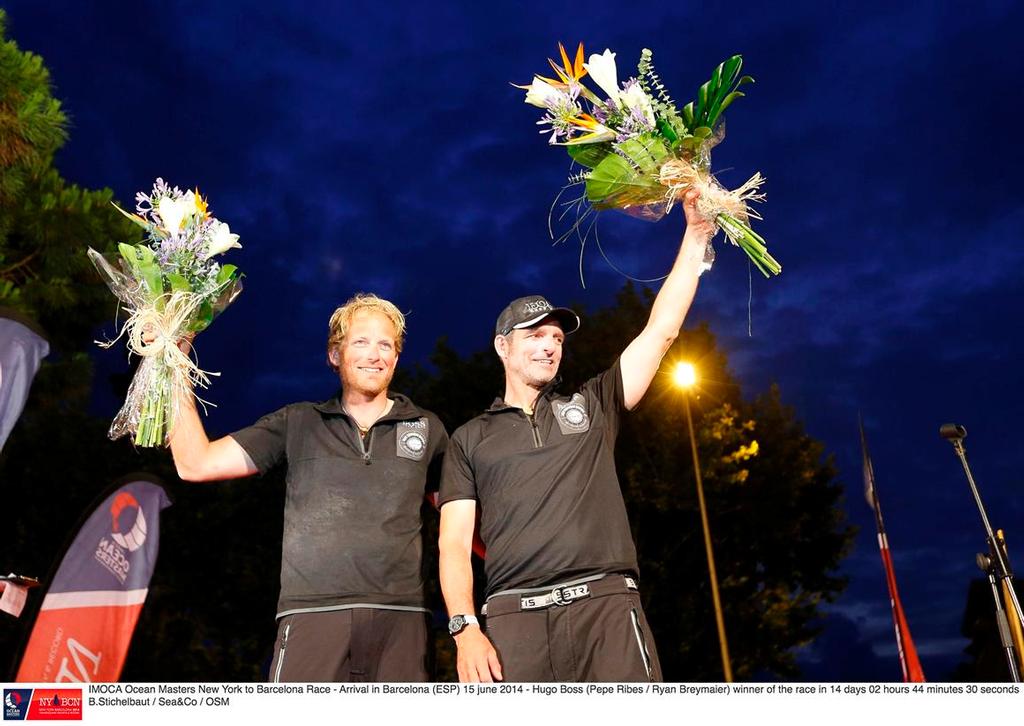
(566, 595)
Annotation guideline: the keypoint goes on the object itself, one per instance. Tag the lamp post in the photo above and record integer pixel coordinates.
(685, 377)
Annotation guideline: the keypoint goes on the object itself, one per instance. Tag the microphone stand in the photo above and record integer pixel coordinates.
(995, 564)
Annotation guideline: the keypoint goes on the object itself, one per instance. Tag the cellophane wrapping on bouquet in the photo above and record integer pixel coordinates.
(639, 153)
(171, 288)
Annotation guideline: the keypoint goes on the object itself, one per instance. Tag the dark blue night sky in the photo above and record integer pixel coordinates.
(371, 146)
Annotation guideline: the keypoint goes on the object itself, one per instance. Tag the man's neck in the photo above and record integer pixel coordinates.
(363, 405)
(520, 395)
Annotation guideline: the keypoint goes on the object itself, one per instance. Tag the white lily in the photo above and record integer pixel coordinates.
(602, 70)
(172, 214)
(635, 98)
(542, 94)
(221, 240)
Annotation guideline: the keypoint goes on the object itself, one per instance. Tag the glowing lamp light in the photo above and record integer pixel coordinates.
(685, 375)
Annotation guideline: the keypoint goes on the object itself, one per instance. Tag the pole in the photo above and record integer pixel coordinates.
(995, 564)
(719, 620)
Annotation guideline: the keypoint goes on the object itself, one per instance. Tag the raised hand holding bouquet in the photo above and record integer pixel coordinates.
(171, 287)
(641, 152)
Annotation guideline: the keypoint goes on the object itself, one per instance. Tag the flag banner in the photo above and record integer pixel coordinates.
(87, 618)
(22, 347)
(12, 597)
(909, 662)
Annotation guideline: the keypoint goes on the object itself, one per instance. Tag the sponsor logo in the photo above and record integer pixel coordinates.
(56, 704)
(536, 306)
(16, 702)
(127, 534)
(412, 439)
(572, 415)
(413, 442)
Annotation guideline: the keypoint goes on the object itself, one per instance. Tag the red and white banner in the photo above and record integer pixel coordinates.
(87, 618)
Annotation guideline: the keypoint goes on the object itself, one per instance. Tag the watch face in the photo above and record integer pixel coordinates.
(456, 624)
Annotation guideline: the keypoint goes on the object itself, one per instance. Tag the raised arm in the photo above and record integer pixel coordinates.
(477, 660)
(642, 357)
(197, 458)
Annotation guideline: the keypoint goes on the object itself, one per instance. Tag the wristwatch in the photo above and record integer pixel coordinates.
(458, 623)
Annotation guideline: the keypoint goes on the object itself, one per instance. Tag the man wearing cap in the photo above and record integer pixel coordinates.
(351, 606)
(538, 470)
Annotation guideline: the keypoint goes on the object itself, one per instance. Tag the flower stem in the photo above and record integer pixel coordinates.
(750, 242)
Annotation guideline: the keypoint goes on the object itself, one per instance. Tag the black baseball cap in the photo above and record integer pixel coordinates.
(525, 312)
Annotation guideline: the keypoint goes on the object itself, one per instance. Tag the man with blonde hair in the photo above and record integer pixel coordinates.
(351, 606)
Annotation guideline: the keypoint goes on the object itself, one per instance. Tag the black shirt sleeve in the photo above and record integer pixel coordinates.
(608, 389)
(457, 480)
(437, 455)
(265, 440)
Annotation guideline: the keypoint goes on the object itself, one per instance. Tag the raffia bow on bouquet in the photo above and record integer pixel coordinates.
(640, 153)
(170, 288)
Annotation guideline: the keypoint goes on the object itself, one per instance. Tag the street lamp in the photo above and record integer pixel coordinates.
(685, 376)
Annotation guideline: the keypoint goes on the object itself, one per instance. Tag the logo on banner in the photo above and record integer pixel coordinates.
(60, 704)
(127, 534)
(16, 702)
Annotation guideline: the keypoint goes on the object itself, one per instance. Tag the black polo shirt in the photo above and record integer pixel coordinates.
(352, 506)
(551, 508)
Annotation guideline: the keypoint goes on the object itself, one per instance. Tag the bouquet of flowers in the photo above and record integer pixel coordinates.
(170, 286)
(640, 152)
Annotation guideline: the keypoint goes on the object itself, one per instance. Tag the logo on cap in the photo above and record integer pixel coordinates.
(536, 306)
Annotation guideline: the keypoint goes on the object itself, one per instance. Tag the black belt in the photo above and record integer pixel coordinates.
(557, 595)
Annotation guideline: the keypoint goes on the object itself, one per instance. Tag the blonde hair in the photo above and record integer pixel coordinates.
(341, 319)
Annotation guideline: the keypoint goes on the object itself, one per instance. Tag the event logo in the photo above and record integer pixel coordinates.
(56, 704)
(16, 702)
(128, 533)
(137, 534)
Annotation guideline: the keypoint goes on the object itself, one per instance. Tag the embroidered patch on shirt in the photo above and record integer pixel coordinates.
(412, 438)
(572, 415)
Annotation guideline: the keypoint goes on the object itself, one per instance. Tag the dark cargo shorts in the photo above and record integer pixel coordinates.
(351, 646)
(602, 636)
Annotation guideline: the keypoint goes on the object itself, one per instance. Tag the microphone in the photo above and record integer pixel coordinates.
(952, 432)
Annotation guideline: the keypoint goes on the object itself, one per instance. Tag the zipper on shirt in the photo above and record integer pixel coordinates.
(537, 443)
(365, 445)
(280, 653)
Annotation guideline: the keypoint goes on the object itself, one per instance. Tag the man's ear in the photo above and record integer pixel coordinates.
(334, 356)
(501, 346)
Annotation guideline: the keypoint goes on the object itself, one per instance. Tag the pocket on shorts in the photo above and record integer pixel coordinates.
(641, 642)
(281, 650)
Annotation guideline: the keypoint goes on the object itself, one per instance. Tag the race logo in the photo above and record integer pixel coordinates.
(56, 704)
(16, 702)
(132, 539)
(572, 415)
(412, 437)
(127, 534)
